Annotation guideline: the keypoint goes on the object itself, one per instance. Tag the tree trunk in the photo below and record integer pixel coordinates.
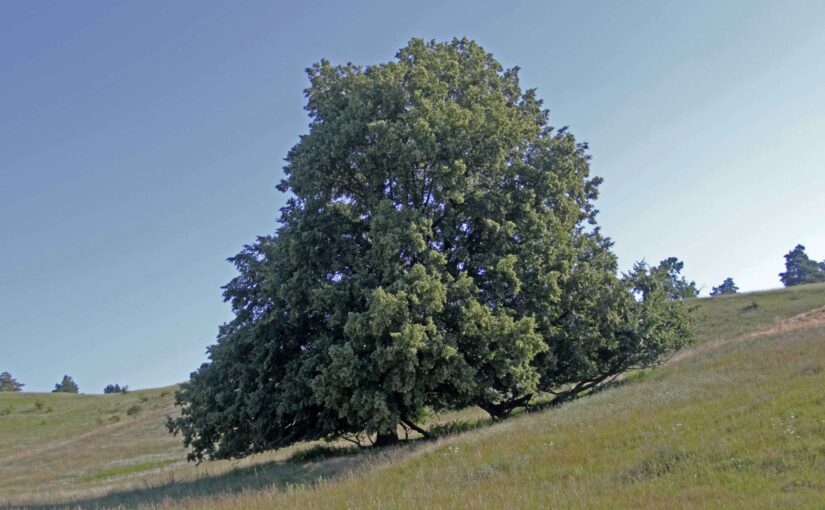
(386, 438)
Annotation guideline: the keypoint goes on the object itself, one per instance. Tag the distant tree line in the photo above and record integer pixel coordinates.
(9, 383)
(115, 388)
(799, 270)
(66, 385)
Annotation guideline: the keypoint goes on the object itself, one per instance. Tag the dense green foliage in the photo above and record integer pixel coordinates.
(669, 273)
(727, 287)
(9, 383)
(67, 385)
(440, 250)
(800, 269)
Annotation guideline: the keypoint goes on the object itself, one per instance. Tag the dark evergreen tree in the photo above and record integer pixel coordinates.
(67, 385)
(9, 383)
(727, 287)
(799, 269)
(439, 249)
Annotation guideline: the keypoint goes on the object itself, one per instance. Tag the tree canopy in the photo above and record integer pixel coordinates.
(439, 249)
(67, 385)
(676, 286)
(9, 383)
(727, 287)
(800, 269)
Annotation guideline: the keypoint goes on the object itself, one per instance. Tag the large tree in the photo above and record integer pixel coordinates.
(800, 269)
(439, 249)
(9, 383)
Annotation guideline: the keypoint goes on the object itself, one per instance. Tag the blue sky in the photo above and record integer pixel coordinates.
(140, 145)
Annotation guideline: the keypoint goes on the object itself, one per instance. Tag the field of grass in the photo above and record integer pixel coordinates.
(739, 425)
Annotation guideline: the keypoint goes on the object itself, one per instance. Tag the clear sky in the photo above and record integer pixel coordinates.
(140, 145)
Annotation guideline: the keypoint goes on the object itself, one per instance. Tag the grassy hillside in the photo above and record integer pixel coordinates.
(731, 424)
(725, 317)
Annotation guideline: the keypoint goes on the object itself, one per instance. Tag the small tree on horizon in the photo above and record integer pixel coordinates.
(801, 269)
(67, 385)
(115, 388)
(9, 383)
(727, 287)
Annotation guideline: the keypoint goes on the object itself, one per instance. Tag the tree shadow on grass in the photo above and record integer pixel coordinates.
(305, 467)
(268, 475)
(308, 466)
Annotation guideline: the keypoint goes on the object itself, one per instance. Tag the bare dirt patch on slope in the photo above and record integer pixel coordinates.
(811, 319)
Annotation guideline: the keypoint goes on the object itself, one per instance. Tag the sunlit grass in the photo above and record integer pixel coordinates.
(126, 470)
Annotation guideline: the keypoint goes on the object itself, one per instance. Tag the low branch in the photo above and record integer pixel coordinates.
(502, 409)
(354, 440)
(416, 428)
(561, 397)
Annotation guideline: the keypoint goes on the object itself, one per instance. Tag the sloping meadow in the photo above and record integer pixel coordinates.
(740, 422)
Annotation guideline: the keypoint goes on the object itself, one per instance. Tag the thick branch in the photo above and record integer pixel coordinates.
(502, 409)
(561, 397)
(416, 428)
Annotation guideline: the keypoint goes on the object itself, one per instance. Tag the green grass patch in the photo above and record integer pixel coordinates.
(126, 470)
